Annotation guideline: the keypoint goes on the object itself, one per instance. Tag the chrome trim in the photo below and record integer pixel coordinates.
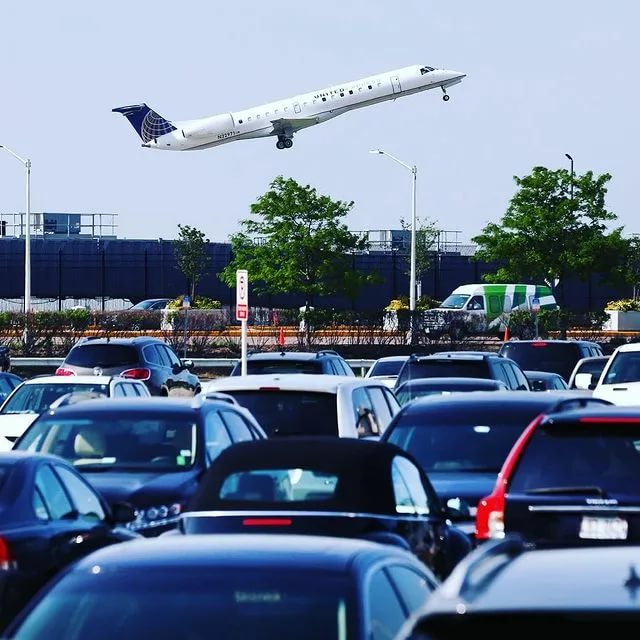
(583, 509)
(282, 513)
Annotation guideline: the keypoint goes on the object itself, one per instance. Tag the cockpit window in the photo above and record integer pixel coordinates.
(424, 70)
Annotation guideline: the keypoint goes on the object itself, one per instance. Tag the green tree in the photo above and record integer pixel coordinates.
(192, 256)
(547, 235)
(296, 243)
(426, 234)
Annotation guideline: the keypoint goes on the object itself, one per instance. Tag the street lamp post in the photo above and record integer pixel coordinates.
(571, 183)
(27, 242)
(412, 268)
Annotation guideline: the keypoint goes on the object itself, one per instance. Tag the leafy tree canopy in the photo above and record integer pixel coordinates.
(426, 234)
(296, 243)
(191, 253)
(547, 235)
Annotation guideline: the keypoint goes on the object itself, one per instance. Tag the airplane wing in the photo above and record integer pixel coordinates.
(287, 126)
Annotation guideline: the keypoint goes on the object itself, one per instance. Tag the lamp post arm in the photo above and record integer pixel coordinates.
(15, 155)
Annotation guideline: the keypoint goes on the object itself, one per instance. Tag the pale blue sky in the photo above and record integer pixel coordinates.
(545, 78)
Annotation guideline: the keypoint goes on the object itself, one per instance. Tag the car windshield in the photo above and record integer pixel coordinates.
(455, 301)
(102, 355)
(582, 454)
(386, 368)
(36, 398)
(543, 356)
(283, 366)
(477, 442)
(257, 601)
(111, 440)
(445, 367)
(288, 413)
(625, 367)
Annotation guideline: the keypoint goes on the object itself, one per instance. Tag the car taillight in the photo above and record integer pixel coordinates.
(61, 371)
(141, 373)
(267, 522)
(7, 561)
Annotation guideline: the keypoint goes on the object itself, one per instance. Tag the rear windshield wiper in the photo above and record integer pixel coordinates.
(586, 490)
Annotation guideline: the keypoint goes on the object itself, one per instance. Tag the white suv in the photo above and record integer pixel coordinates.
(34, 396)
(619, 382)
(292, 404)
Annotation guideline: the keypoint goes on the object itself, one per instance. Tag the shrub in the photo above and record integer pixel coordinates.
(628, 304)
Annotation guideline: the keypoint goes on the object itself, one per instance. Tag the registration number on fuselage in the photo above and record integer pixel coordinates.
(228, 134)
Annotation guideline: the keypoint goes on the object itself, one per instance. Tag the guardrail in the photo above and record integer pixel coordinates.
(359, 365)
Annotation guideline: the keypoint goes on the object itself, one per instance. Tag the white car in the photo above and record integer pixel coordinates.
(298, 404)
(34, 396)
(619, 382)
(386, 369)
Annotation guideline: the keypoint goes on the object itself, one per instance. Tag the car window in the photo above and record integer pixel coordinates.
(170, 354)
(163, 356)
(380, 406)
(520, 378)
(86, 501)
(406, 474)
(413, 587)
(236, 425)
(503, 373)
(52, 492)
(364, 413)
(625, 367)
(217, 438)
(119, 391)
(385, 610)
(152, 355)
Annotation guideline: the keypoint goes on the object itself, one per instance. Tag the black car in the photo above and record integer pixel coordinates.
(143, 358)
(49, 517)
(325, 486)
(546, 381)
(465, 364)
(462, 440)
(325, 361)
(505, 588)
(420, 387)
(5, 358)
(228, 587)
(558, 356)
(572, 479)
(8, 382)
(151, 452)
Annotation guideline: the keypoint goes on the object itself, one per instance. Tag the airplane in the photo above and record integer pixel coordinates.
(285, 117)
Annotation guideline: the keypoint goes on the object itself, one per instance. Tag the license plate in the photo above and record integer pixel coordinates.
(603, 528)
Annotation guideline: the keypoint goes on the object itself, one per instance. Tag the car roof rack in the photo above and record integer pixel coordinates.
(219, 396)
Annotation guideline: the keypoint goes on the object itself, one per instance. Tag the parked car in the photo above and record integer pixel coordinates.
(8, 382)
(232, 586)
(559, 356)
(324, 361)
(466, 364)
(587, 371)
(34, 396)
(152, 304)
(142, 358)
(299, 404)
(571, 479)
(421, 387)
(546, 381)
(462, 440)
(386, 369)
(326, 486)
(619, 381)
(5, 358)
(506, 587)
(49, 517)
(151, 452)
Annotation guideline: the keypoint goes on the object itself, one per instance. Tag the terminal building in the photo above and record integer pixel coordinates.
(77, 257)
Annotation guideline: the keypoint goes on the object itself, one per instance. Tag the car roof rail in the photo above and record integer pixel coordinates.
(483, 563)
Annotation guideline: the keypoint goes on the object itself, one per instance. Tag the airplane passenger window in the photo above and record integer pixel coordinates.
(370, 87)
(239, 121)
(351, 91)
(324, 99)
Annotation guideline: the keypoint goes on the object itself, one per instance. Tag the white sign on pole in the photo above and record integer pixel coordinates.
(242, 294)
(535, 305)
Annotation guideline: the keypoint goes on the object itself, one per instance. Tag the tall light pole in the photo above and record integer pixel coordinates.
(571, 183)
(412, 268)
(27, 241)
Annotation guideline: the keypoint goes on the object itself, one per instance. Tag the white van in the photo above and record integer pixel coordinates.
(481, 308)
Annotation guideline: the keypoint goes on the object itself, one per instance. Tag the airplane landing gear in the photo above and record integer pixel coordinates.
(445, 97)
(284, 143)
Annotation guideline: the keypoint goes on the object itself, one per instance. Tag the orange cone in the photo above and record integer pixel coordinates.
(281, 337)
(507, 335)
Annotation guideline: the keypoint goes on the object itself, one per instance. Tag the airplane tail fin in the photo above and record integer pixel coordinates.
(145, 121)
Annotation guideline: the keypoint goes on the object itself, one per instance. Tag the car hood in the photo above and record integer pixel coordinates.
(13, 425)
(142, 488)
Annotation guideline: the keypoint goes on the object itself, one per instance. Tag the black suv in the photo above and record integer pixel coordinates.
(325, 361)
(558, 356)
(143, 358)
(5, 359)
(467, 364)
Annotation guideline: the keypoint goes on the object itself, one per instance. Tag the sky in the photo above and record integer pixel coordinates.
(544, 79)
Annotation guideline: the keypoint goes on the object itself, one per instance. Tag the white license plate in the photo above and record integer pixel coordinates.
(603, 528)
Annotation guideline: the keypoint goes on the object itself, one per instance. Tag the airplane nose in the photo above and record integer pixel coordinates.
(453, 75)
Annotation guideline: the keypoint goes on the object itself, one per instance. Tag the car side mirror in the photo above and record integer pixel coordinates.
(188, 364)
(123, 512)
(583, 381)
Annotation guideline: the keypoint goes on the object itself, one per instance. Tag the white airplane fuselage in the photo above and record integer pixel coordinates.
(283, 118)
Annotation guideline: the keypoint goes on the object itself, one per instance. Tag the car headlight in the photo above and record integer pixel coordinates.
(156, 516)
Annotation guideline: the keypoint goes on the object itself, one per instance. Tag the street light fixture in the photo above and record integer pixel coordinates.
(412, 269)
(27, 246)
